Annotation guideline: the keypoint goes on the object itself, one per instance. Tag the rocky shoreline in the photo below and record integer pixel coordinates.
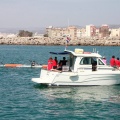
(59, 41)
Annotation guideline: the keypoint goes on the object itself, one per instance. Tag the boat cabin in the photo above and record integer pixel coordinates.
(80, 60)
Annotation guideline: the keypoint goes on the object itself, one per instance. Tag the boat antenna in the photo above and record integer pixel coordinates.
(65, 47)
(94, 50)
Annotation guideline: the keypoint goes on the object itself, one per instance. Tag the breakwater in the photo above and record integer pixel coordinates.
(59, 41)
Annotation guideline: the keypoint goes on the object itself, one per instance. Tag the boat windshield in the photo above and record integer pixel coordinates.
(90, 60)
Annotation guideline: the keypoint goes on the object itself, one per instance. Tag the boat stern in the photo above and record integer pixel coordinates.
(46, 77)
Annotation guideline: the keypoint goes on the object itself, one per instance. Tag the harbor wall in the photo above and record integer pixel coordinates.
(59, 41)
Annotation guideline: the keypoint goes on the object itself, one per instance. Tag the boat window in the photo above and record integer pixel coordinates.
(100, 62)
(87, 60)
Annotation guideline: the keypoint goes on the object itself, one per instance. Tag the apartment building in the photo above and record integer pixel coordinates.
(54, 32)
(104, 31)
(90, 31)
(61, 32)
(81, 32)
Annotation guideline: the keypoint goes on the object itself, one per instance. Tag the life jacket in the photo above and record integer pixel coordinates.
(112, 62)
(50, 64)
(117, 62)
(54, 63)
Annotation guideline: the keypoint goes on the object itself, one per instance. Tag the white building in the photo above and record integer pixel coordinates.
(81, 33)
(90, 30)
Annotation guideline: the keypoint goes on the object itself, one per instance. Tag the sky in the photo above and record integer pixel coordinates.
(58, 13)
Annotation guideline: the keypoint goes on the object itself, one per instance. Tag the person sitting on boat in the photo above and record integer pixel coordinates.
(50, 64)
(104, 60)
(59, 67)
(56, 60)
(112, 61)
(55, 63)
(64, 61)
(117, 62)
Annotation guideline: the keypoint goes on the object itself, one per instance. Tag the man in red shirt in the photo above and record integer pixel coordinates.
(112, 61)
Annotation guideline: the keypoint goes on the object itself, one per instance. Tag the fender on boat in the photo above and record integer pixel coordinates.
(13, 65)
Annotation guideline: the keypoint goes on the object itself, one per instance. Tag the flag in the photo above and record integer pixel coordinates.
(68, 40)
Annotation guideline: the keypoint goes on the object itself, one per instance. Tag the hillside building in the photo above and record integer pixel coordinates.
(90, 31)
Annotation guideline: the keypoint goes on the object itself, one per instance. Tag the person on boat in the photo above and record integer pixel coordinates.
(104, 60)
(64, 61)
(55, 62)
(112, 61)
(50, 64)
(117, 62)
(59, 67)
(94, 66)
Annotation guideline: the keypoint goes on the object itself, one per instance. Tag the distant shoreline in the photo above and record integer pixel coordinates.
(59, 41)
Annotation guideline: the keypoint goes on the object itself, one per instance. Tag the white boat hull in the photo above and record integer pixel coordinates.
(78, 78)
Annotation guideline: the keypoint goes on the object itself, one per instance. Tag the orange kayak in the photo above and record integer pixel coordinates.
(13, 65)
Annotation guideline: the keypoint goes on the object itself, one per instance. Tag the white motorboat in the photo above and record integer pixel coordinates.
(83, 69)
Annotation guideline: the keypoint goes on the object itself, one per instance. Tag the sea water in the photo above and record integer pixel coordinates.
(21, 99)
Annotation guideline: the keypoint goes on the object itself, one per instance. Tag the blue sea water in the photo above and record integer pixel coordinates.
(21, 99)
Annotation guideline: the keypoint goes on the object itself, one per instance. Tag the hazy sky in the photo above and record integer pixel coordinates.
(44, 13)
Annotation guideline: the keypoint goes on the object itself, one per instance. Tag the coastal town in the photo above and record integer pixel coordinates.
(88, 35)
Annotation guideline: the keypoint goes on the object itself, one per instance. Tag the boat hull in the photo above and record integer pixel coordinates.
(78, 79)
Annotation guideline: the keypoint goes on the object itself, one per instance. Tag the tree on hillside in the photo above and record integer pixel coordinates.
(23, 33)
